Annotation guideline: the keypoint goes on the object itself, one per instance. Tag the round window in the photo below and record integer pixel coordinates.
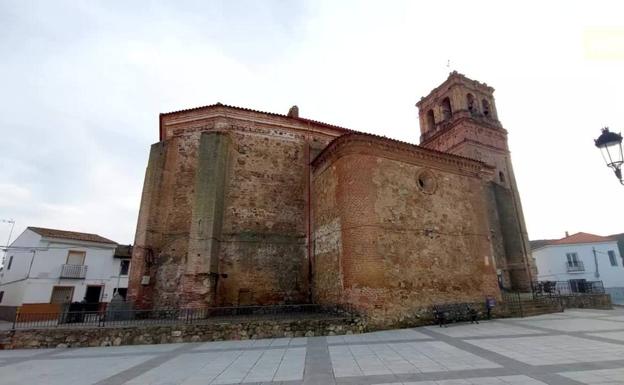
(426, 182)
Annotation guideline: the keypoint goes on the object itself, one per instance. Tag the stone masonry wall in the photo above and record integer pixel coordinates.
(263, 248)
(115, 336)
(162, 237)
(328, 280)
(588, 301)
(402, 248)
(224, 212)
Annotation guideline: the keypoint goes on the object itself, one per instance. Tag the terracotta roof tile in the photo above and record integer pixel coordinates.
(63, 234)
(406, 145)
(581, 238)
(315, 122)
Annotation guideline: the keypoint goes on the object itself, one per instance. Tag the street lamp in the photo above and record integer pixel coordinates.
(610, 145)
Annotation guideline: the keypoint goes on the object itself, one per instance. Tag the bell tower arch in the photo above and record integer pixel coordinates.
(459, 117)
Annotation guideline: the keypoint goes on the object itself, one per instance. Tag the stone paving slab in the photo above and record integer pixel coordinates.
(619, 336)
(78, 371)
(550, 350)
(503, 380)
(409, 357)
(483, 329)
(381, 336)
(23, 353)
(585, 313)
(575, 324)
(571, 348)
(602, 377)
(248, 344)
(119, 350)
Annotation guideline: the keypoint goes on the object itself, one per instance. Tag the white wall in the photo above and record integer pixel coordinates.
(551, 263)
(12, 281)
(33, 284)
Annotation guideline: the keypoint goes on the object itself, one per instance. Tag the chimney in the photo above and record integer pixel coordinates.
(567, 235)
(293, 112)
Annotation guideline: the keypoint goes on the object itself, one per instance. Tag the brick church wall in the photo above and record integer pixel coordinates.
(400, 249)
(224, 211)
(238, 209)
(264, 234)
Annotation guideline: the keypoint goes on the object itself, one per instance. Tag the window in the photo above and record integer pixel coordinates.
(426, 182)
(124, 266)
(573, 259)
(486, 107)
(10, 262)
(470, 102)
(122, 291)
(612, 258)
(62, 294)
(76, 257)
(501, 177)
(430, 120)
(447, 112)
(1, 296)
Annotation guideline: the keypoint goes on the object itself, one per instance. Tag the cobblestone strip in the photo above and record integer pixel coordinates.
(135, 371)
(318, 368)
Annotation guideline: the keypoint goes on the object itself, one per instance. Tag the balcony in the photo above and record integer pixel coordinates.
(74, 271)
(575, 267)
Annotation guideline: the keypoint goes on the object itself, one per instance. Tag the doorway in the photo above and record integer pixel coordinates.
(578, 285)
(92, 297)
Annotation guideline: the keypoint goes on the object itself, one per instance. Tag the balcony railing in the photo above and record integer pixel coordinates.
(74, 271)
(576, 267)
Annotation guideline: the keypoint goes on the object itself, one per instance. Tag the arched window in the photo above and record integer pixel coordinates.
(447, 112)
(470, 102)
(430, 120)
(486, 107)
(501, 177)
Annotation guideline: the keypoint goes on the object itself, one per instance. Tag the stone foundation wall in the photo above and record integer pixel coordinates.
(141, 335)
(589, 301)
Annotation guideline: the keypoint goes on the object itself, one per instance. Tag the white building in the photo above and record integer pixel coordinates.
(46, 266)
(581, 258)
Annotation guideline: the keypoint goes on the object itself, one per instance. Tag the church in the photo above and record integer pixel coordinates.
(243, 207)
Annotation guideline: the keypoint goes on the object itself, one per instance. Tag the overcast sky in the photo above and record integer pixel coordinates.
(82, 84)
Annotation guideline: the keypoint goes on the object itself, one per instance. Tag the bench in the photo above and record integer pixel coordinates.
(454, 312)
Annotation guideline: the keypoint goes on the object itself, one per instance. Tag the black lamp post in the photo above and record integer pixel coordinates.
(610, 145)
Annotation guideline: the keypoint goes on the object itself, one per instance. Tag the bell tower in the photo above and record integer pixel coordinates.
(459, 117)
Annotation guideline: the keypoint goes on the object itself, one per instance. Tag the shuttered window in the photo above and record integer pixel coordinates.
(75, 257)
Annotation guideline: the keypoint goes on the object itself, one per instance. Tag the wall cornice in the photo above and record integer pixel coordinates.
(184, 118)
(366, 144)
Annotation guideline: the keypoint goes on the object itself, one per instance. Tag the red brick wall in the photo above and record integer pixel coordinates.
(263, 240)
(401, 250)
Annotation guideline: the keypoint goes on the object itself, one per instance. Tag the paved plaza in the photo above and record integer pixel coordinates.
(575, 347)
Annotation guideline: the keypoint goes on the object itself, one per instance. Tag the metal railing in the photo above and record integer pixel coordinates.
(571, 287)
(513, 301)
(575, 267)
(74, 271)
(143, 317)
